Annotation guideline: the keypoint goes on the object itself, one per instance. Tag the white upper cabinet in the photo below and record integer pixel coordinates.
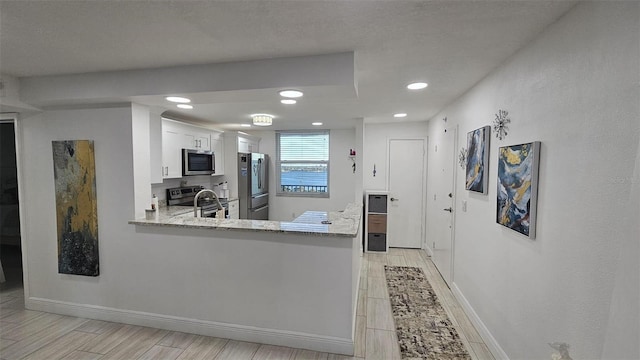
(177, 136)
(243, 145)
(197, 140)
(248, 144)
(172, 141)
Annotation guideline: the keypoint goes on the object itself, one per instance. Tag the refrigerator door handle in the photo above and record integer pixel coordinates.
(259, 209)
(260, 174)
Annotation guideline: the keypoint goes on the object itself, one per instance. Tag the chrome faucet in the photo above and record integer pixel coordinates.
(195, 201)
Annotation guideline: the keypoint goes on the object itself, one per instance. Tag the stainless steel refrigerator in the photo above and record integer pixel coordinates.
(253, 186)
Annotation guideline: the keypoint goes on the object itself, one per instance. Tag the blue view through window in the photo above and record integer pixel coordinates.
(303, 163)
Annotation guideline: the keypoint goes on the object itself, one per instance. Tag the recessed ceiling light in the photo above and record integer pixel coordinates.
(245, 125)
(417, 86)
(400, 115)
(288, 101)
(316, 123)
(178, 99)
(185, 106)
(291, 93)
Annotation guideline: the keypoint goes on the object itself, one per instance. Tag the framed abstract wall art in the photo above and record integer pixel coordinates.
(478, 160)
(518, 187)
(76, 207)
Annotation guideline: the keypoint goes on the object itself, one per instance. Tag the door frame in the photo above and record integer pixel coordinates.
(22, 211)
(454, 192)
(454, 214)
(425, 147)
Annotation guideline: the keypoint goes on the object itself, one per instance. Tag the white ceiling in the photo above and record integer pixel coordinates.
(449, 44)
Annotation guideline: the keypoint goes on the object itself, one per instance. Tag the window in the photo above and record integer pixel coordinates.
(302, 163)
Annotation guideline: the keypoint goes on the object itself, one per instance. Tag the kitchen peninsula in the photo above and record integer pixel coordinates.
(283, 283)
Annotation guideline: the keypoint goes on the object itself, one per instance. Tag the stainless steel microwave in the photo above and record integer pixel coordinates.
(198, 162)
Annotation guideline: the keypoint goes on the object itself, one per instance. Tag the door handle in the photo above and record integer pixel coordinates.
(448, 209)
(395, 199)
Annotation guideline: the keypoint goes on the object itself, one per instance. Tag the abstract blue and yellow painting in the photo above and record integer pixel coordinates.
(518, 187)
(478, 160)
(76, 207)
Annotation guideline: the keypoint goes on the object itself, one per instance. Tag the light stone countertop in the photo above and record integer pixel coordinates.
(342, 223)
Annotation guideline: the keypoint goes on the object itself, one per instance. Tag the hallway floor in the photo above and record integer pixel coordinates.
(27, 334)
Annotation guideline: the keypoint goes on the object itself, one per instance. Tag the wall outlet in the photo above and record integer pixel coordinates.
(293, 215)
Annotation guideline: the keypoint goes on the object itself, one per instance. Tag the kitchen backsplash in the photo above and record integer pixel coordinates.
(204, 180)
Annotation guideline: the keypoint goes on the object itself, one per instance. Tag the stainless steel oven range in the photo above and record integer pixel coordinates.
(183, 196)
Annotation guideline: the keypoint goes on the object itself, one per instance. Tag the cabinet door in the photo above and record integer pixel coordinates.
(172, 142)
(253, 146)
(197, 141)
(189, 141)
(243, 145)
(203, 142)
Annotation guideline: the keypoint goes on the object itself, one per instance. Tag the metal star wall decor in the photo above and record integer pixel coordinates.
(462, 158)
(500, 124)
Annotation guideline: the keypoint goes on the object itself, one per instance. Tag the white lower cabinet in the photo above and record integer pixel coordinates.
(234, 209)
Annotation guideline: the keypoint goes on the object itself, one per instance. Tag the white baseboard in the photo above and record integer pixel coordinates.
(486, 335)
(201, 327)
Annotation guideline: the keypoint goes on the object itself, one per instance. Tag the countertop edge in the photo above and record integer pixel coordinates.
(348, 220)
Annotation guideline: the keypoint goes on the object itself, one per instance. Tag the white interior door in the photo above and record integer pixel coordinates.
(406, 189)
(444, 199)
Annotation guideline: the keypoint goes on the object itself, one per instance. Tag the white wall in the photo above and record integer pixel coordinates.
(342, 180)
(177, 278)
(376, 143)
(359, 148)
(111, 130)
(140, 118)
(575, 89)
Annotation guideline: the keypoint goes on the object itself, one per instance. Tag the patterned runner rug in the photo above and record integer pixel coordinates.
(423, 327)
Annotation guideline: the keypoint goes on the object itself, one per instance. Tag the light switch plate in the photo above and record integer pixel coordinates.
(464, 205)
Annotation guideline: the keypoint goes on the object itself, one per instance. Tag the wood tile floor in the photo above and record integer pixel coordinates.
(26, 334)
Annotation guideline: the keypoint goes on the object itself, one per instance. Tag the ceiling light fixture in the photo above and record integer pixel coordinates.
(291, 93)
(288, 101)
(316, 123)
(178, 99)
(417, 86)
(262, 119)
(399, 115)
(245, 125)
(185, 106)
